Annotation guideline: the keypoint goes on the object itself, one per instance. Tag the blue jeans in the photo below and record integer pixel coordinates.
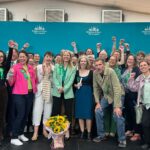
(22, 106)
(120, 121)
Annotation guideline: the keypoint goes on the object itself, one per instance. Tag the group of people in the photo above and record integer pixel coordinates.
(80, 86)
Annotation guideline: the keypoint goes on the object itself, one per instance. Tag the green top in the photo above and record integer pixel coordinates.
(1, 73)
(118, 72)
(27, 76)
(64, 70)
(146, 96)
(68, 76)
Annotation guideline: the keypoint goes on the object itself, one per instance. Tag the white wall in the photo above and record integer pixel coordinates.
(34, 10)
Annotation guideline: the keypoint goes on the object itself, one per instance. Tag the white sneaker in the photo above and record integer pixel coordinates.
(16, 142)
(23, 138)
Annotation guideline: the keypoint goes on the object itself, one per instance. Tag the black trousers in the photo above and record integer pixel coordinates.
(146, 125)
(10, 113)
(129, 112)
(3, 105)
(68, 107)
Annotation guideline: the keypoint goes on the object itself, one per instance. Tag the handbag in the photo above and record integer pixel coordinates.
(139, 112)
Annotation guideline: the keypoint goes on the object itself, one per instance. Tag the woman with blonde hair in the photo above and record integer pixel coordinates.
(63, 78)
(84, 96)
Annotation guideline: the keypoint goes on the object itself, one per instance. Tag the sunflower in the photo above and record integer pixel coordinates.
(51, 121)
(57, 123)
(63, 126)
(47, 124)
(61, 119)
(57, 129)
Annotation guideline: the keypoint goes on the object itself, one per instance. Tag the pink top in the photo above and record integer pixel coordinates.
(19, 81)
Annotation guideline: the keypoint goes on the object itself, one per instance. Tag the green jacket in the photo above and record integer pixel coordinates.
(108, 86)
(68, 82)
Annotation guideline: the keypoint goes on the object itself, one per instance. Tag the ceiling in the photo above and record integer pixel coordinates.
(141, 6)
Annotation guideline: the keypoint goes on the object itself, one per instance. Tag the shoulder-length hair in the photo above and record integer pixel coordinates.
(135, 62)
(87, 62)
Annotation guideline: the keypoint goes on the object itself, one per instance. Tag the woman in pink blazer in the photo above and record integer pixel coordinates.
(23, 79)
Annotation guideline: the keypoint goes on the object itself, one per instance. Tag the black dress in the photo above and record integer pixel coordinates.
(84, 97)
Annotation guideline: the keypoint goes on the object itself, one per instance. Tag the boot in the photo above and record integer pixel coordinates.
(82, 136)
(89, 136)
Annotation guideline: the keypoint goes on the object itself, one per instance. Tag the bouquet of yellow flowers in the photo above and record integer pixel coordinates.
(57, 126)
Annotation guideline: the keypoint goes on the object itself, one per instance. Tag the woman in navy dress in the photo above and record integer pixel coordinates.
(84, 96)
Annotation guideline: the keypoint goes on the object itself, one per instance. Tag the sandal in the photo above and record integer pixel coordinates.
(129, 133)
(34, 137)
(45, 134)
(135, 137)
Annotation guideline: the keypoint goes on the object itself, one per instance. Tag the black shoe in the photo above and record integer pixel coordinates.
(82, 135)
(99, 139)
(0, 143)
(89, 136)
(73, 132)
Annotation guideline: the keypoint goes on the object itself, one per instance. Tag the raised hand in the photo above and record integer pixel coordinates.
(121, 41)
(132, 75)
(73, 44)
(127, 46)
(26, 45)
(98, 45)
(113, 38)
(11, 43)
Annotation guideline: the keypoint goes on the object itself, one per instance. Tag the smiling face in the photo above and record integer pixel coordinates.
(31, 62)
(23, 58)
(103, 55)
(130, 61)
(144, 67)
(66, 56)
(83, 63)
(48, 59)
(112, 61)
(36, 57)
(117, 55)
(91, 59)
(1, 57)
(89, 51)
(58, 59)
(74, 60)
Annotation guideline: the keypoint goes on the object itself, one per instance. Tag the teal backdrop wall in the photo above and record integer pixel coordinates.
(44, 36)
